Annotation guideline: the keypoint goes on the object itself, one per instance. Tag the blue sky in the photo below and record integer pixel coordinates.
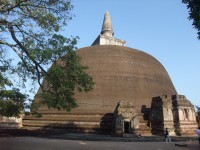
(157, 27)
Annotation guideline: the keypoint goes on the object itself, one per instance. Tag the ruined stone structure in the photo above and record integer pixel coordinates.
(174, 112)
(184, 115)
(133, 94)
(125, 119)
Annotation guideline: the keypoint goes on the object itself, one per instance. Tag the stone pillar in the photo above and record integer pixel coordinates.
(168, 119)
(162, 115)
(156, 116)
(135, 125)
(118, 126)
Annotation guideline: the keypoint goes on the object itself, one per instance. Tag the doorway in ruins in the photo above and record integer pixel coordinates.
(127, 127)
(125, 119)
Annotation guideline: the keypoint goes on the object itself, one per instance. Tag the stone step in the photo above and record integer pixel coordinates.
(31, 128)
(54, 131)
(69, 117)
(72, 119)
(78, 128)
(129, 136)
(9, 125)
(57, 123)
(74, 112)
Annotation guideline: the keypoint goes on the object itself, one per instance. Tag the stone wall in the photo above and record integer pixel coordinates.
(10, 122)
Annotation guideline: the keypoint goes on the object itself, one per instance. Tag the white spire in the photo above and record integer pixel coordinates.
(106, 36)
(107, 29)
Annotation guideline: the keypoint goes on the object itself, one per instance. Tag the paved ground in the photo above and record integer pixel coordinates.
(46, 140)
(37, 143)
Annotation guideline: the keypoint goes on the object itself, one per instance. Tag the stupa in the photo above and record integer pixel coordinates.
(133, 94)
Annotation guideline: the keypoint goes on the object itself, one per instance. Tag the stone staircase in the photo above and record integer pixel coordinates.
(143, 125)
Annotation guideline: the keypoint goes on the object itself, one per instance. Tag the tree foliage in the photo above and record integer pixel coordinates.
(30, 28)
(67, 75)
(194, 13)
(12, 102)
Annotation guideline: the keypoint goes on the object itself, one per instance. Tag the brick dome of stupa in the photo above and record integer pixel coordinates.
(122, 74)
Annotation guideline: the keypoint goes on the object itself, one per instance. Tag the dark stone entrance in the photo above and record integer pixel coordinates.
(127, 125)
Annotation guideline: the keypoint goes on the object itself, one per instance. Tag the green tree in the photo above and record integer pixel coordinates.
(12, 102)
(194, 13)
(30, 28)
